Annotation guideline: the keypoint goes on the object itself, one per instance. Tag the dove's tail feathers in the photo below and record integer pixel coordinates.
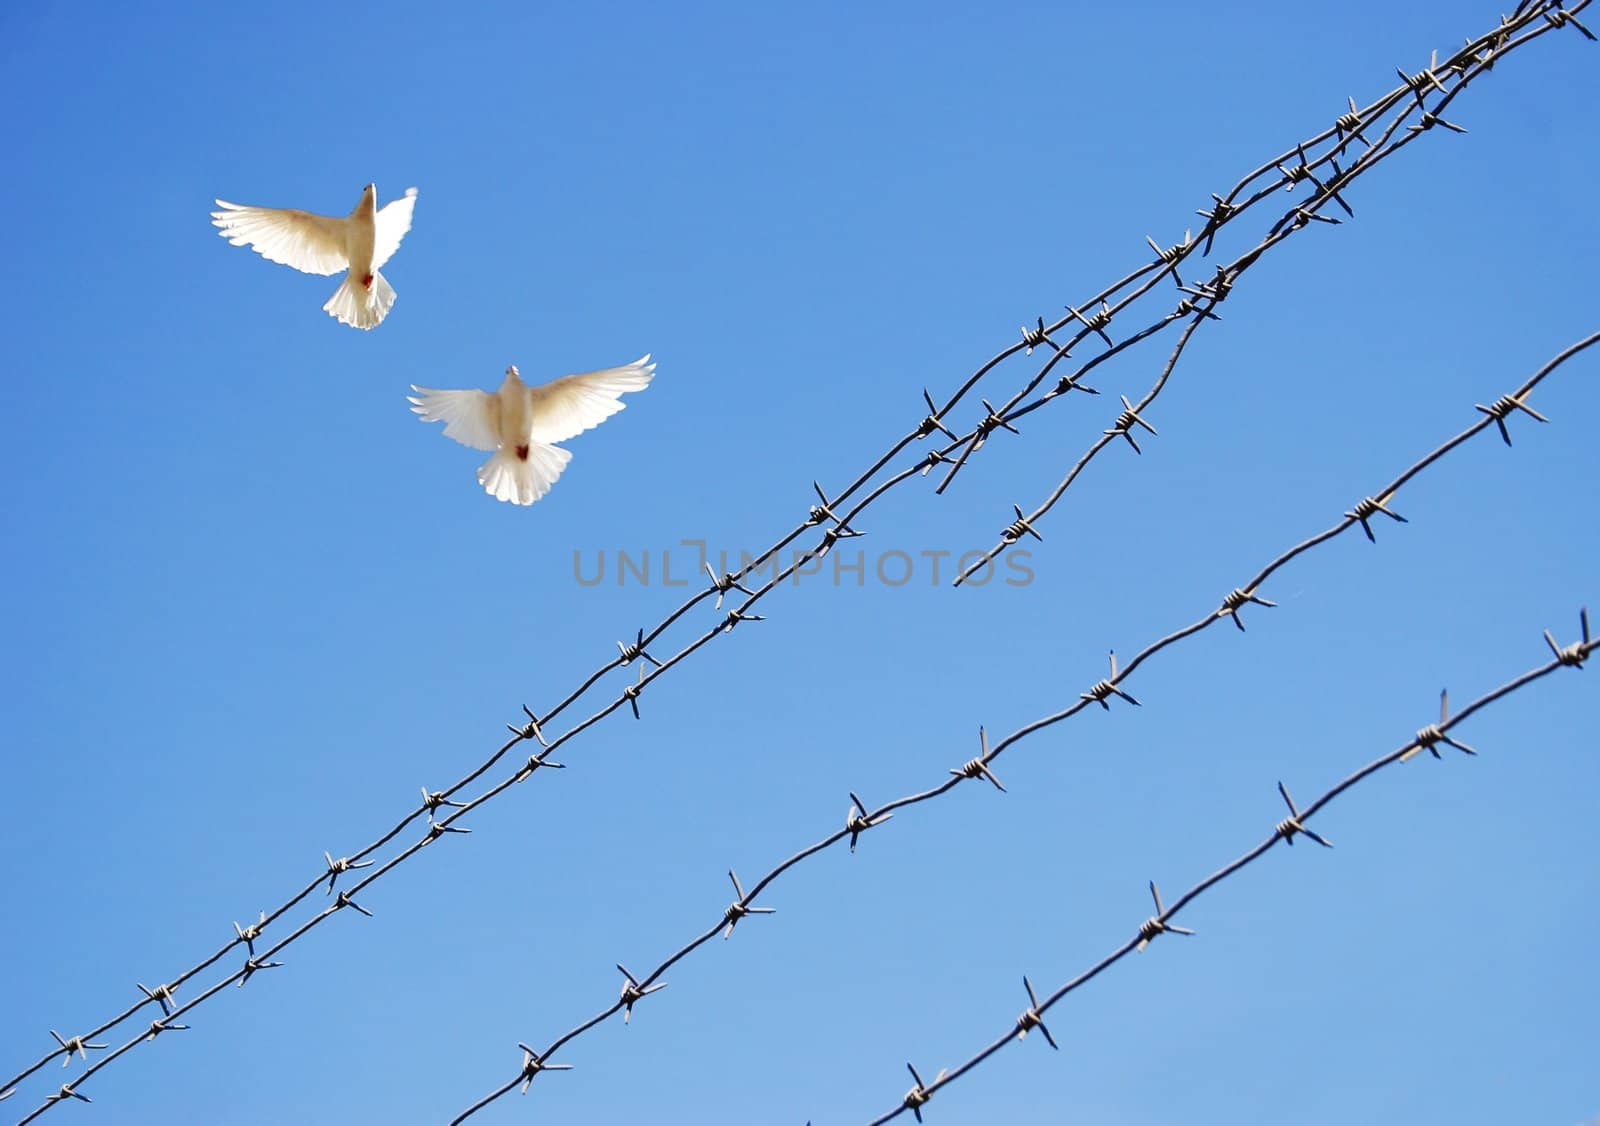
(522, 474)
(355, 303)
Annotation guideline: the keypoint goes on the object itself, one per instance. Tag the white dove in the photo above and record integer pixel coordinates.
(519, 422)
(359, 244)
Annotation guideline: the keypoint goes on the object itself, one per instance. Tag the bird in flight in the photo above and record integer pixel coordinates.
(359, 244)
(520, 423)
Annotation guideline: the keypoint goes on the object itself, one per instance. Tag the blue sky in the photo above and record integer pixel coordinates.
(255, 604)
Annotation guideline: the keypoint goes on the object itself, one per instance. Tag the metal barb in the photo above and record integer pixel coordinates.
(979, 767)
(1103, 690)
(1428, 738)
(1019, 528)
(739, 909)
(161, 995)
(252, 965)
(1238, 598)
(1221, 211)
(343, 864)
(74, 1045)
(1030, 1018)
(1350, 123)
(248, 935)
(1292, 824)
(1155, 925)
(632, 991)
(728, 581)
(432, 801)
(1097, 322)
(344, 899)
(1367, 509)
(1575, 654)
(157, 1027)
(858, 821)
(631, 693)
(1560, 17)
(918, 1096)
(1502, 407)
(1126, 421)
(66, 1092)
(533, 1064)
(534, 763)
(632, 652)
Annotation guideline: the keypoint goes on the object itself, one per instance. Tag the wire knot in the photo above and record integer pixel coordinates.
(728, 581)
(1155, 925)
(66, 1093)
(739, 909)
(633, 991)
(1367, 509)
(1575, 654)
(1501, 409)
(918, 1096)
(535, 762)
(1019, 528)
(991, 422)
(1031, 1019)
(1292, 824)
(161, 995)
(432, 801)
(1171, 254)
(634, 650)
(1424, 79)
(1035, 337)
(1560, 17)
(1349, 124)
(74, 1045)
(345, 900)
(1236, 600)
(1126, 421)
(248, 935)
(1103, 690)
(343, 864)
(1095, 322)
(1221, 211)
(857, 820)
(533, 1064)
(735, 617)
(157, 1027)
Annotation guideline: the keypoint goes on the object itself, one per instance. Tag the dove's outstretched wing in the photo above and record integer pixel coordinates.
(470, 417)
(575, 403)
(394, 220)
(312, 244)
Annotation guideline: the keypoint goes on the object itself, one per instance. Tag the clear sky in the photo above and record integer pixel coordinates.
(254, 604)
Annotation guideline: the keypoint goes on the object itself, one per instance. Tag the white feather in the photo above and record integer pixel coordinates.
(470, 417)
(312, 244)
(394, 220)
(570, 405)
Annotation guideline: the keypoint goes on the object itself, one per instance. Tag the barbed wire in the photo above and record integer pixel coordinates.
(1447, 79)
(860, 817)
(1428, 739)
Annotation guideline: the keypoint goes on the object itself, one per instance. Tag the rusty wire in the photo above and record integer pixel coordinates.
(1159, 923)
(860, 818)
(1299, 165)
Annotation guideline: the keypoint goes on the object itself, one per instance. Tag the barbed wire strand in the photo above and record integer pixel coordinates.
(1528, 23)
(1427, 739)
(860, 818)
